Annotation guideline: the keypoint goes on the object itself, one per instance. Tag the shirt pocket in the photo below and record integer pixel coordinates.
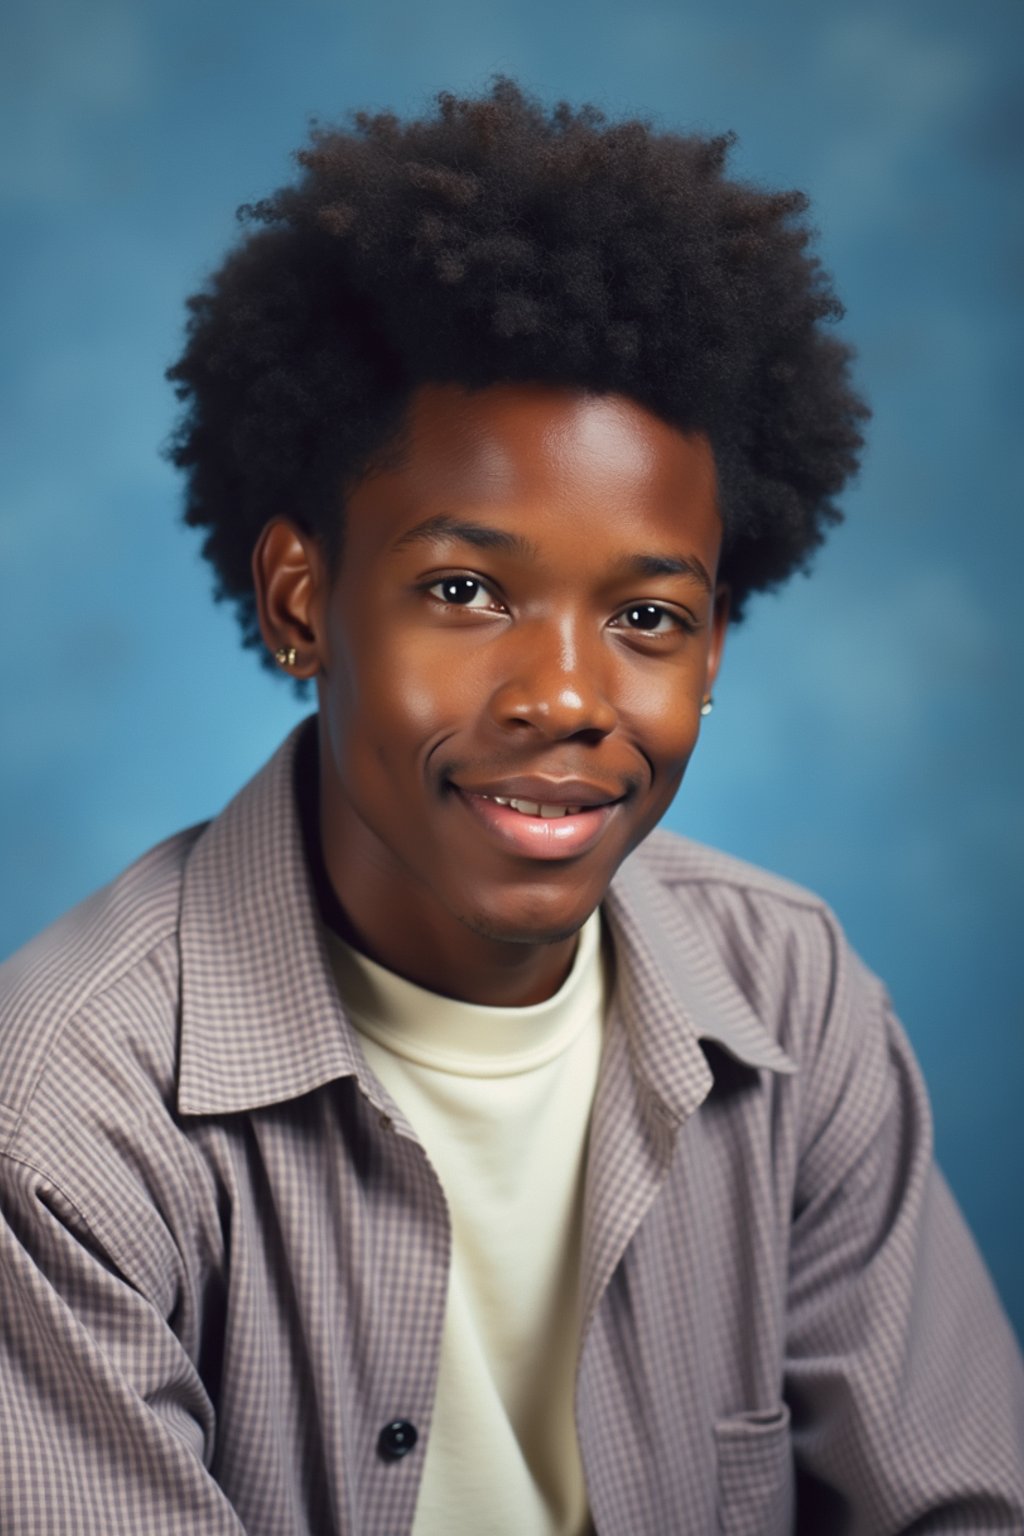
(755, 1475)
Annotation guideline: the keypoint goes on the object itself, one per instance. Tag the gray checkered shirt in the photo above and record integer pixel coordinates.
(223, 1252)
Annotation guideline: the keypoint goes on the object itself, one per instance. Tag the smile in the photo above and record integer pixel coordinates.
(537, 830)
(534, 807)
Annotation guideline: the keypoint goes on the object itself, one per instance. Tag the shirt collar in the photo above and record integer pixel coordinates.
(261, 1021)
(260, 1016)
(675, 990)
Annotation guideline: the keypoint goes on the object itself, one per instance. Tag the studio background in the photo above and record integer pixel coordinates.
(866, 739)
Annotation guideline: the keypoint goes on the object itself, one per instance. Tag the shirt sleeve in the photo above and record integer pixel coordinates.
(903, 1376)
(105, 1420)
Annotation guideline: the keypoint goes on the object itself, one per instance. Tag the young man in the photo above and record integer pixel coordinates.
(422, 1145)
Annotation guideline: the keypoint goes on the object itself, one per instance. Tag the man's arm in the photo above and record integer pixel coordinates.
(104, 1421)
(903, 1376)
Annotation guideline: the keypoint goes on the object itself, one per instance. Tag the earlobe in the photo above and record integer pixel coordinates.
(287, 571)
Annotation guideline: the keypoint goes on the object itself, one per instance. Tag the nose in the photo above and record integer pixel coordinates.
(554, 681)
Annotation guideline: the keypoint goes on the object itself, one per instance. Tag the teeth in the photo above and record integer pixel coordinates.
(534, 807)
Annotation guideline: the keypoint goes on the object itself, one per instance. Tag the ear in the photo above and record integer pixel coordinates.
(719, 625)
(290, 580)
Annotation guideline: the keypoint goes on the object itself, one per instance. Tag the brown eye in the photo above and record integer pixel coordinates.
(649, 617)
(462, 592)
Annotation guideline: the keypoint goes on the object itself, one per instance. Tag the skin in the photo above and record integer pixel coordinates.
(449, 661)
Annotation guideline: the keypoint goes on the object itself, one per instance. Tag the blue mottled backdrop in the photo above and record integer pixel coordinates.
(867, 738)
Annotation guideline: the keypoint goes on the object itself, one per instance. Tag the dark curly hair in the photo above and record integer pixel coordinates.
(496, 241)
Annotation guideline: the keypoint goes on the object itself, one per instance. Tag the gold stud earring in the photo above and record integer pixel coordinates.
(707, 704)
(286, 655)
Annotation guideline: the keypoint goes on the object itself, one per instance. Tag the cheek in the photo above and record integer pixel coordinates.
(395, 697)
(659, 706)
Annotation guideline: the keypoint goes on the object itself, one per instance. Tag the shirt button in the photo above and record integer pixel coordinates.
(396, 1439)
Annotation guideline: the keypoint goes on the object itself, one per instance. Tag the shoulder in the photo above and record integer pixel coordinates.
(94, 996)
(678, 861)
(758, 942)
(733, 904)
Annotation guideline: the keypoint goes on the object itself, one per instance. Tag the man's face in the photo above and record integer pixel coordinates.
(511, 659)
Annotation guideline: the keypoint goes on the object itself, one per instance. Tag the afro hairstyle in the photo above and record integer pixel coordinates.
(496, 241)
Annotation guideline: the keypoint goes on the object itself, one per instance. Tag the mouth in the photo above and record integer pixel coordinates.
(539, 829)
(535, 807)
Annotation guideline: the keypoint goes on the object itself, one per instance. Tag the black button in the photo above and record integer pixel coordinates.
(397, 1439)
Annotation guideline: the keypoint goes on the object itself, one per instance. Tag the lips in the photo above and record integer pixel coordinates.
(541, 829)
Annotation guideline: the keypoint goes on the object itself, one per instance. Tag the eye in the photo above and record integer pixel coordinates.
(462, 592)
(650, 619)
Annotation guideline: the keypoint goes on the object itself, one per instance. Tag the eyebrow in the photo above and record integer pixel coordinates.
(668, 565)
(434, 530)
(442, 526)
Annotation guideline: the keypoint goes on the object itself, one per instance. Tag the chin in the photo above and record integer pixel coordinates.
(530, 919)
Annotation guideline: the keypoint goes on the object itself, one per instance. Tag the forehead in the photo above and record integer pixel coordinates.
(558, 455)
